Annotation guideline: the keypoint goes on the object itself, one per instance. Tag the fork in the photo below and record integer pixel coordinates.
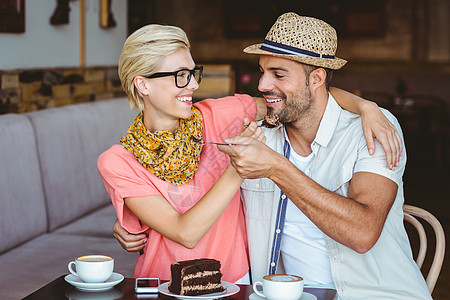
(199, 140)
(212, 143)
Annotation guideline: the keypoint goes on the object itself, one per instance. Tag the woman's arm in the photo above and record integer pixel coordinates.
(374, 123)
(187, 229)
(351, 102)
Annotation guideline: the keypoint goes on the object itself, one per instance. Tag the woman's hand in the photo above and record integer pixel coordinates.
(128, 241)
(376, 125)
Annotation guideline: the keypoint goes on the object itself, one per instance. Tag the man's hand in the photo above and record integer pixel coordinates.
(250, 157)
(128, 241)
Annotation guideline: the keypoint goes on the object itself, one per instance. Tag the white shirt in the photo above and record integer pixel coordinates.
(388, 270)
(303, 249)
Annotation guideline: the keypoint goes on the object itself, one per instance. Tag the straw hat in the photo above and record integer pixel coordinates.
(303, 39)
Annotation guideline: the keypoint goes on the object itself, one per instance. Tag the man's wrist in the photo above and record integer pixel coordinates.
(278, 167)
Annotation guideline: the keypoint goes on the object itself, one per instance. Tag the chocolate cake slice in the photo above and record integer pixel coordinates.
(271, 121)
(197, 138)
(195, 277)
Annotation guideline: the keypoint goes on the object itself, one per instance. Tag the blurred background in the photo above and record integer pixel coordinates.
(61, 52)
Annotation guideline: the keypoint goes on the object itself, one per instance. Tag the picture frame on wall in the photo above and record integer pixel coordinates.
(12, 16)
(106, 15)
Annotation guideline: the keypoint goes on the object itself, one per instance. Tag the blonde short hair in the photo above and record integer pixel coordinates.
(143, 52)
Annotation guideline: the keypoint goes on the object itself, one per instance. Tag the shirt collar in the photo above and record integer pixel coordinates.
(328, 123)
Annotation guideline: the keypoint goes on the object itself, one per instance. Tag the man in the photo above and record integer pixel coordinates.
(316, 203)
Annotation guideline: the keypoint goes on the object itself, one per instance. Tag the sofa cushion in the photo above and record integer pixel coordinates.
(38, 262)
(98, 223)
(69, 141)
(22, 213)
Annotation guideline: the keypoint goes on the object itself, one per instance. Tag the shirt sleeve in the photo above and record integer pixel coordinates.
(377, 162)
(122, 180)
(226, 115)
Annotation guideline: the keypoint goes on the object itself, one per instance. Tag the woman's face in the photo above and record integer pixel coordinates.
(166, 103)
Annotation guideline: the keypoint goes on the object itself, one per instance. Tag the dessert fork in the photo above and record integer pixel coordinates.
(212, 143)
(199, 140)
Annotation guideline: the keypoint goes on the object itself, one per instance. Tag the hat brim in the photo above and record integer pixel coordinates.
(334, 64)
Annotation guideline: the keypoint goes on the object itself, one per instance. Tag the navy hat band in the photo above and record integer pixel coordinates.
(278, 48)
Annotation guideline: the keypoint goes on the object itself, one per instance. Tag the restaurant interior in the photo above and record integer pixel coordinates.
(57, 53)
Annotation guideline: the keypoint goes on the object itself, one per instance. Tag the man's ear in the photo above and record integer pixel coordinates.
(141, 84)
(318, 77)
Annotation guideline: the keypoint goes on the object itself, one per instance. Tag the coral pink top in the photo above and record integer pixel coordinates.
(226, 241)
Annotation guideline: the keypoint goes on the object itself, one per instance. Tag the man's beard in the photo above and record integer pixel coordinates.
(294, 109)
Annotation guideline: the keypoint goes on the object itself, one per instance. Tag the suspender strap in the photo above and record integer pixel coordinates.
(279, 225)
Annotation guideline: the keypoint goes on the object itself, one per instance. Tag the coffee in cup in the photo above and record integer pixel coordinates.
(280, 287)
(92, 268)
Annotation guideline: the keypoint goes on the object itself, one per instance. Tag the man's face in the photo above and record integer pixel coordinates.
(284, 85)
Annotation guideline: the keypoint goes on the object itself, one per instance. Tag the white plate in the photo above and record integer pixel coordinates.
(305, 296)
(115, 279)
(230, 289)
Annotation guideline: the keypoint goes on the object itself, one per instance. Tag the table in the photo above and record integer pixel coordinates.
(59, 289)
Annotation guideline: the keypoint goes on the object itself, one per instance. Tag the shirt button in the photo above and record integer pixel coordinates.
(272, 264)
(283, 196)
(278, 231)
(257, 186)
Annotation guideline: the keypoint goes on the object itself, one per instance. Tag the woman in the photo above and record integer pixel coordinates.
(161, 181)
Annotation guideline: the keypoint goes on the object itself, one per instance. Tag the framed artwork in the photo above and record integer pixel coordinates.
(12, 16)
(106, 15)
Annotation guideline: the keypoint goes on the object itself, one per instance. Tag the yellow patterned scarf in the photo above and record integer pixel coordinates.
(171, 157)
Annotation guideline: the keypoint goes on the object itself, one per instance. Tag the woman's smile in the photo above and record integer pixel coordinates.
(187, 99)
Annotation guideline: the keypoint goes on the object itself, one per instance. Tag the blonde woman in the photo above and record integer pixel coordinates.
(162, 182)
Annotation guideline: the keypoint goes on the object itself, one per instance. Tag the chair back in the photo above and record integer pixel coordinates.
(411, 214)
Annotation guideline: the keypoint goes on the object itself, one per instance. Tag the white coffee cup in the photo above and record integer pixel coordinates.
(92, 268)
(280, 287)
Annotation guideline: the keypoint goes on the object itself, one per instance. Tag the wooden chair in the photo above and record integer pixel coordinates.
(411, 214)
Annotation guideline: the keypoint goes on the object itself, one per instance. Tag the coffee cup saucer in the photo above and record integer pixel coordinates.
(115, 279)
(305, 296)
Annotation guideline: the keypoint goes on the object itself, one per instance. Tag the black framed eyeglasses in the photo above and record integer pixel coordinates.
(183, 76)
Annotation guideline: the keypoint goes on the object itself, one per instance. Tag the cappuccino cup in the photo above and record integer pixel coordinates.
(92, 268)
(280, 287)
